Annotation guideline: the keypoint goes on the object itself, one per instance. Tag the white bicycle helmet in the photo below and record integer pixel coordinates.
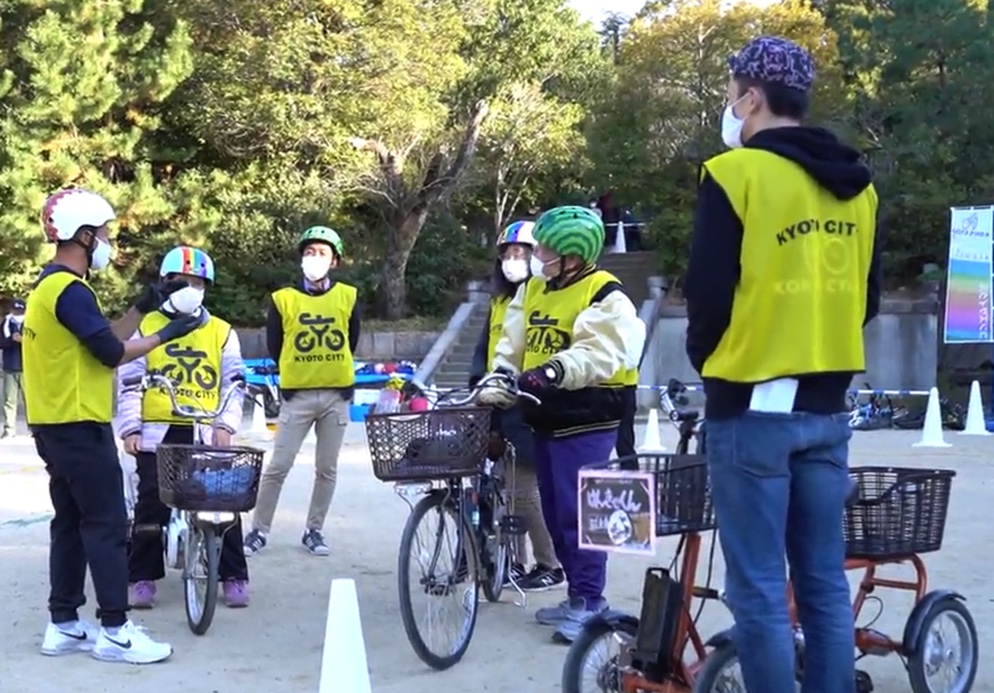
(517, 232)
(67, 210)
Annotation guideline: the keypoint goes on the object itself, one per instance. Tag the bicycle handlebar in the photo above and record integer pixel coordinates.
(199, 413)
(509, 382)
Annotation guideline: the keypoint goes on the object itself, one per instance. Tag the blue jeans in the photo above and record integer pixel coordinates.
(780, 483)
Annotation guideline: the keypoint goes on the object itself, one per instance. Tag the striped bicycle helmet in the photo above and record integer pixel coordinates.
(571, 230)
(190, 261)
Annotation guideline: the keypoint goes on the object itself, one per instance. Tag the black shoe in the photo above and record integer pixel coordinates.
(516, 574)
(542, 579)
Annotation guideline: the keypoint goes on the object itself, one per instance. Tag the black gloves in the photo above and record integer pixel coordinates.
(154, 295)
(182, 325)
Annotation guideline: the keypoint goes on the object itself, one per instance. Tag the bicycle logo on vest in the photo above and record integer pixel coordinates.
(319, 335)
(544, 337)
(191, 376)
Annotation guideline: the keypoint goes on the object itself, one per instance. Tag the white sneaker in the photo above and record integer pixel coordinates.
(130, 644)
(80, 637)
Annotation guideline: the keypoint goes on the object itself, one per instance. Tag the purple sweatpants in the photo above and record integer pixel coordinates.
(557, 463)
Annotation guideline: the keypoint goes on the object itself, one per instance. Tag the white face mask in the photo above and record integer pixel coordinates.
(731, 126)
(515, 270)
(102, 253)
(187, 300)
(538, 268)
(315, 267)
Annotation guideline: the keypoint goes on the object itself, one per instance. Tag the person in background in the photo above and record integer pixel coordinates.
(514, 249)
(70, 352)
(567, 336)
(312, 332)
(784, 274)
(205, 362)
(10, 344)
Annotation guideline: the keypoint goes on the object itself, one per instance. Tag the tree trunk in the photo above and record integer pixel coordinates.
(393, 281)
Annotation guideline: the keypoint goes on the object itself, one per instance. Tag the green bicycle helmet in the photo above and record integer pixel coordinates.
(571, 230)
(322, 234)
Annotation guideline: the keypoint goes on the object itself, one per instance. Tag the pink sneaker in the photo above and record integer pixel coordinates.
(142, 594)
(236, 594)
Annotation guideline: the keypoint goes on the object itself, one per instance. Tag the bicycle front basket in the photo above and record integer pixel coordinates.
(442, 443)
(683, 491)
(210, 479)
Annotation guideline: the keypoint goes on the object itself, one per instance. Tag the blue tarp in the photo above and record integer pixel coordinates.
(366, 372)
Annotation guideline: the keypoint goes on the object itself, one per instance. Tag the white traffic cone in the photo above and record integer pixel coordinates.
(932, 431)
(975, 423)
(620, 245)
(651, 442)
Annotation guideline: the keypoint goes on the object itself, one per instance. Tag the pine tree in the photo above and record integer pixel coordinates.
(82, 85)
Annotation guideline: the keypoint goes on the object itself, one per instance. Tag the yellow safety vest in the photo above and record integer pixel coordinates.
(316, 351)
(192, 362)
(801, 299)
(498, 309)
(549, 318)
(63, 381)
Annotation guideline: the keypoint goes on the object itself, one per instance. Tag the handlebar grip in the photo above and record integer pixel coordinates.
(132, 381)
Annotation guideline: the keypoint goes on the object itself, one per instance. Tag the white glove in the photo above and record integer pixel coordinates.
(496, 396)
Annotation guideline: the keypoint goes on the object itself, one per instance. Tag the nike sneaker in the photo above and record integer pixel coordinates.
(131, 644)
(68, 638)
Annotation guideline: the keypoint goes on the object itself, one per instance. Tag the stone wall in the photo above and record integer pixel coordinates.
(901, 345)
(410, 346)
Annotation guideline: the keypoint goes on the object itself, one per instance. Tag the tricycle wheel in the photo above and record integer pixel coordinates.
(944, 658)
(592, 660)
(722, 673)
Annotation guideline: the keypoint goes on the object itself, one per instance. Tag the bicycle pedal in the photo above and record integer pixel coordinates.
(864, 684)
(513, 524)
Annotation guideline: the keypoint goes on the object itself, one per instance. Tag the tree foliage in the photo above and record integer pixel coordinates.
(418, 127)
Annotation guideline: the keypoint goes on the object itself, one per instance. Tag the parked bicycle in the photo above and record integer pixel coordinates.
(892, 517)
(464, 517)
(263, 382)
(206, 487)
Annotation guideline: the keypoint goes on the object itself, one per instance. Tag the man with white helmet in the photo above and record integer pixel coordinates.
(70, 351)
(206, 361)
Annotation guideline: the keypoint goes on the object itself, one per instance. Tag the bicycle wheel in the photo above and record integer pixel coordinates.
(495, 558)
(722, 673)
(945, 656)
(591, 663)
(200, 576)
(442, 580)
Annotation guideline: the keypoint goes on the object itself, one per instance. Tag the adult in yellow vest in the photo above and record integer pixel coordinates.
(568, 334)
(203, 364)
(514, 248)
(783, 275)
(70, 351)
(312, 333)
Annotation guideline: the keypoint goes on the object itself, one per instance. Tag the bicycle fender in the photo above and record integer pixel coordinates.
(720, 638)
(916, 621)
(612, 618)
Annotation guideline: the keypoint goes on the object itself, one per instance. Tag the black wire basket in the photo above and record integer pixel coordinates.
(209, 479)
(443, 443)
(897, 512)
(683, 490)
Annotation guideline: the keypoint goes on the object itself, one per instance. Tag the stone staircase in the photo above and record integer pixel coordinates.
(454, 369)
(633, 269)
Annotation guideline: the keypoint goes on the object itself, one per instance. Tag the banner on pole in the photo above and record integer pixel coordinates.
(968, 285)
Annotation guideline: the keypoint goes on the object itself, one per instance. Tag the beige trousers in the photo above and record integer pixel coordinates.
(526, 503)
(328, 412)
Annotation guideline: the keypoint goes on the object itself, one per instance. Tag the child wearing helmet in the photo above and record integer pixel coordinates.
(204, 364)
(514, 250)
(569, 336)
(312, 332)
